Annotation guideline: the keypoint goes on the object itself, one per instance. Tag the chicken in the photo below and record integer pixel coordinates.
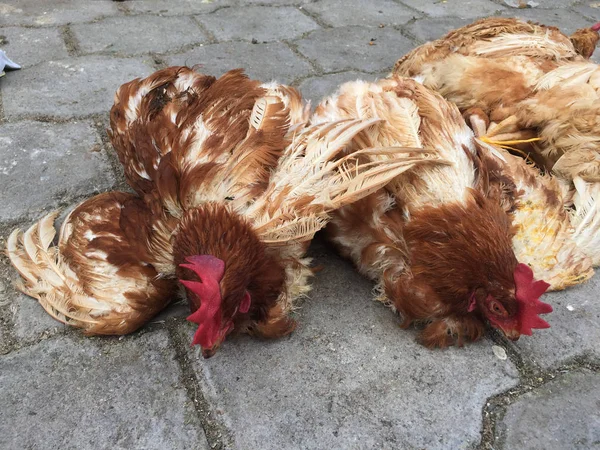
(536, 85)
(230, 190)
(557, 229)
(437, 239)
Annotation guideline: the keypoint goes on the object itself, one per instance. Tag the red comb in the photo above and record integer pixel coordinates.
(208, 316)
(528, 296)
(596, 26)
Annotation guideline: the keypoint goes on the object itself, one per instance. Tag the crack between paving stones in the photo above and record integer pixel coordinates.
(315, 17)
(207, 33)
(70, 40)
(3, 118)
(316, 68)
(216, 433)
(416, 11)
(111, 155)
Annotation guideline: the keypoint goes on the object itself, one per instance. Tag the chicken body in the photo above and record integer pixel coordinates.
(438, 239)
(230, 190)
(531, 80)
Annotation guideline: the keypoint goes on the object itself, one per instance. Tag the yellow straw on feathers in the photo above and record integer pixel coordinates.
(507, 145)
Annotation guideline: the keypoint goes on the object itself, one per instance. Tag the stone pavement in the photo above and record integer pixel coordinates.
(349, 378)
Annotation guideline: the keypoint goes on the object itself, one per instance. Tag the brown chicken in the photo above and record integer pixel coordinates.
(230, 190)
(437, 239)
(535, 84)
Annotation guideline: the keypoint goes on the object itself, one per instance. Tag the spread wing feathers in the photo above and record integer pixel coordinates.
(585, 218)
(98, 277)
(413, 116)
(313, 179)
(544, 237)
(187, 138)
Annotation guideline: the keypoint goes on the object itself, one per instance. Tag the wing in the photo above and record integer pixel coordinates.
(415, 117)
(100, 277)
(186, 138)
(314, 178)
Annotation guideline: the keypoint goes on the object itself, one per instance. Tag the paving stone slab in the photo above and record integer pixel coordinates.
(274, 61)
(136, 35)
(372, 12)
(539, 4)
(457, 8)
(96, 393)
(317, 88)
(574, 327)
(187, 7)
(30, 320)
(425, 30)
(69, 87)
(566, 21)
(181, 7)
(53, 12)
(300, 3)
(29, 46)
(348, 377)
(589, 9)
(42, 164)
(562, 414)
(260, 23)
(355, 48)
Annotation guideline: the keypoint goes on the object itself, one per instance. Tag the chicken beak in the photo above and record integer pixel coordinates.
(210, 352)
(511, 334)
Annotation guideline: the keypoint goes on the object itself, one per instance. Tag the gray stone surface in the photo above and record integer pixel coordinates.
(43, 164)
(567, 21)
(30, 320)
(348, 377)
(317, 88)
(100, 393)
(181, 7)
(136, 35)
(69, 87)
(257, 22)
(187, 7)
(29, 46)
(373, 12)
(590, 9)
(425, 30)
(263, 61)
(562, 414)
(354, 48)
(539, 4)
(574, 331)
(456, 8)
(53, 12)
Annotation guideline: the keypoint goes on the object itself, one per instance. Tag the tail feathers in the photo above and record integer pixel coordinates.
(585, 218)
(45, 276)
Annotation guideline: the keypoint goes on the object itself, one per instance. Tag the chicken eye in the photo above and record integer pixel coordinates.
(497, 308)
